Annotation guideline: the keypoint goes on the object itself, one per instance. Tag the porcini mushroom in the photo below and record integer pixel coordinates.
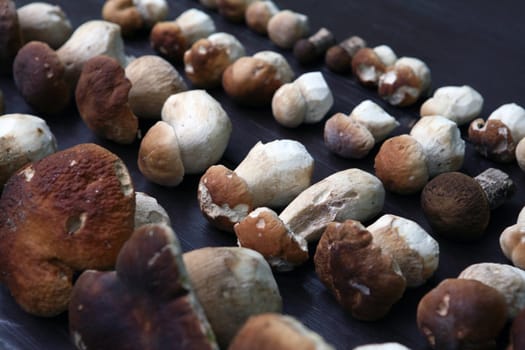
(338, 58)
(368, 64)
(286, 27)
(258, 14)
(458, 206)
(308, 50)
(233, 10)
(147, 302)
(512, 241)
(70, 211)
(149, 211)
(133, 15)
(11, 39)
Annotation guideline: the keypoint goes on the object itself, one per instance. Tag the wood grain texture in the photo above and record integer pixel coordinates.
(479, 43)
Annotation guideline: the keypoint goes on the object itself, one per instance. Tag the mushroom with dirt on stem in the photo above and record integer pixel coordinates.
(338, 58)
(258, 15)
(287, 27)
(369, 64)
(308, 50)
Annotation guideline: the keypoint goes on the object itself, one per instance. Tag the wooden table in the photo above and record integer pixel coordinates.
(479, 43)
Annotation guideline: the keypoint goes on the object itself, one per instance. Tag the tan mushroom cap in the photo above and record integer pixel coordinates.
(124, 13)
(286, 27)
(72, 210)
(347, 137)
(102, 100)
(11, 38)
(364, 280)
(367, 66)
(263, 231)
(39, 75)
(258, 15)
(166, 37)
(401, 165)
(512, 244)
(492, 139)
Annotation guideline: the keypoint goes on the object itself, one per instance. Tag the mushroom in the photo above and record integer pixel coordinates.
(405, 82)
(461, 314)
(355, 135)
(147, 302)
(258, 14)
(507, 279)
(172, 38)
(306, 100)
(458, 206)
(271, 174)
(286, 27)
(40, 21)
(67, 212)
(413, 249)
(461, 104)
(153, 80)
(517, 330)
(24, 138)
(308, 50)
(338, 58)
(272, 331)
(149, 211)
(382, 346)
(134, 15)
(102, 100)
(364, 280)
(233, 10)
(206, 60)
(253, 80)
(11, 38)
(368, 64)
(240, 279)
(512, 242)
(498, 137)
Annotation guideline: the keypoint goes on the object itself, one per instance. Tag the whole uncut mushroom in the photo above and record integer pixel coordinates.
(258, 14)
(287, 27)
(512, 241)
(134, 15)
(233, 10)
(309, 50)
(338, 58)
(149, 211)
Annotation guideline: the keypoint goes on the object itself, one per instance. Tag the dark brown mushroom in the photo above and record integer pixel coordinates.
(339, 57)
(10, 35)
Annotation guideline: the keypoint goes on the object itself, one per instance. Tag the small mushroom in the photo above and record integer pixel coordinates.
(405, 82)
(233, 10)
(364, 280)
(507, 279)
(338, 58)
(512, 244)
(306, 100)
(461, 104)
(147, 302)
(134, 15)
(11, 39)
(153, 80)
(458, 206)
(40, 21)
(369, 64)
(382, 346)
(149, 211)
(413, 249)
(286, 27)
(497, 137)
(258, 14)
(67, 212)
(172, 38)
(271, 174)
(272, 331)
(206, 60)
(253, 80)
(24, 138)
(308, 50)
(102, 100)
(240, 279)
(461, 314)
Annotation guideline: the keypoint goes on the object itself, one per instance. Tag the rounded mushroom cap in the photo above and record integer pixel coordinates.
(347, 137)
(512, 244)
(24, 138)
(401, 165)
(102, 100)
(263, 231)
(277, 332)
(202, 127)
(284, 71)
(124, 13)
(240, 279)
(289, 105)
(461, 314)
(11, 38)
(492, 139)
(365, 280)
(75, 209)
(339, 58)
(233, 10)
(286, 27)
(44, 22)
(167, 38)
(375, 118)
(258, 15)
(152, 11)
(513, 116)
(40, 77)
(159, 158)
(153, 80)
(455, 206)
(149, 211)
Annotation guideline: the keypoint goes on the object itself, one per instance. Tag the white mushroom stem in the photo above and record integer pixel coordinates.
(497, 185)
(375, 119)
(195, 24)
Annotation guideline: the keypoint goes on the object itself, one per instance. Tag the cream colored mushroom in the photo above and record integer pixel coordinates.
(259, 13)
(152, 11)
(286, 27)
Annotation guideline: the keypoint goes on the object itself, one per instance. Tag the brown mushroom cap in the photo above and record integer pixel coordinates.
(456, 206)
(365, 281)
(11, 38)
(168, 40)
(401, 165)
(63, 214)
(347, 137)
(124, 13)
(102, 100)
(492, 139)
(462, 314)
(208, 62)
(367, 66)
(145, 304)
(40, 77)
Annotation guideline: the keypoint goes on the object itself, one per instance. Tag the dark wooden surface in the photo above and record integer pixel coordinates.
(479, 43)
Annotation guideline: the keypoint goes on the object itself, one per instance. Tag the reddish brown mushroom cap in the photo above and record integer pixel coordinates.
(146, 303)
(68, 212)
(124, 13)
(168, 40)
(11, 38)
(492, 139)
(102, 100)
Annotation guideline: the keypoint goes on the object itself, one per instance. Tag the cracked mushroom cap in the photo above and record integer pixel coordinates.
(512, 244)
(461, 314)
(146, 303)
(273, 331)
(11, 38)
(263, 231)
(70, 211)
(365, 280)
(102, 100)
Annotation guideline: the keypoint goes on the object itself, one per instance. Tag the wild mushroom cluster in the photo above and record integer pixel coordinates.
(76, 236)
